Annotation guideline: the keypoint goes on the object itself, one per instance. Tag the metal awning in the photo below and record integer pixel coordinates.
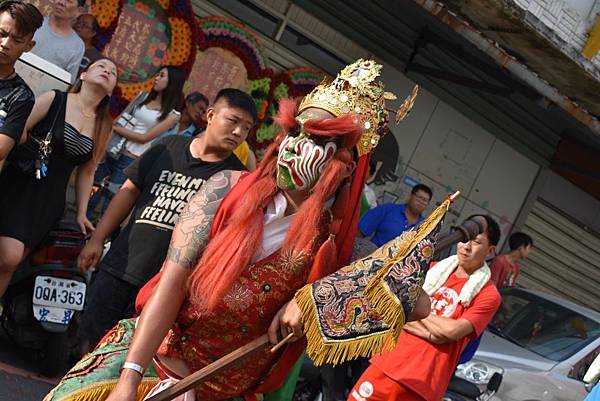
(423, 40)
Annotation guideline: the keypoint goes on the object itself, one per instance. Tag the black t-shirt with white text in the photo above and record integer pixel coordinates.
(16, 99)
(167, 176)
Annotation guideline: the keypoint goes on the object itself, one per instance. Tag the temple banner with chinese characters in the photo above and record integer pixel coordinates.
(143, 35)
(230, 54)
(215, 69)
(216, 52)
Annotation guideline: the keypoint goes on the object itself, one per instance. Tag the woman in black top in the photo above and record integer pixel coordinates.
(80, 124)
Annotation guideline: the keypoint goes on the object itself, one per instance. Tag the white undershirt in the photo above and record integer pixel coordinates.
(276, 225)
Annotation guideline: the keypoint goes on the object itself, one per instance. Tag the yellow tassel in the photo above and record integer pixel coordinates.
(386, 304)
(101, 390)
(339, 351)
(383, 301)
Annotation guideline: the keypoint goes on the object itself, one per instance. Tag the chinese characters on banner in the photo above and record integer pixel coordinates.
(139, 43)
(214, 70)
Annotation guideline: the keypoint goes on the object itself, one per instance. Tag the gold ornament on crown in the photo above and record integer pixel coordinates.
(357, 90)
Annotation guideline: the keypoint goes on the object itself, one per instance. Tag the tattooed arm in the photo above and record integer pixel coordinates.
(189, 239)
(191, 233)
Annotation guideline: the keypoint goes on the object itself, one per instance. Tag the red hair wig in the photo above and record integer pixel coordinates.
(347, 127)
(232, 248)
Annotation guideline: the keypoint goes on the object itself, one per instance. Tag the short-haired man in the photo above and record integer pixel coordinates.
(86, 26)
(56, 41)
(385, 222)
(18, 23)
(463, 301)
(505, 269)
(158, 187)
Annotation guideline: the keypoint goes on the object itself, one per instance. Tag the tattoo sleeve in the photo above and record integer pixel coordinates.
(191, 233)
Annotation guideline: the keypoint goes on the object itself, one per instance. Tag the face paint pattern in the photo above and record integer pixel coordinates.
(302, 161)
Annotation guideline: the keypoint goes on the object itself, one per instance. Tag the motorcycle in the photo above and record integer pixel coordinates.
(463, 390)
(41, 305)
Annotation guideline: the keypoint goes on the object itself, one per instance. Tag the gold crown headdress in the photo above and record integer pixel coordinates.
(356, 89)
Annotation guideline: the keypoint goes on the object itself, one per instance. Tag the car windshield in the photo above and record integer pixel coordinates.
(542, 326)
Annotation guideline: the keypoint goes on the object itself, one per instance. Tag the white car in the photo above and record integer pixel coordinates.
(542, 345)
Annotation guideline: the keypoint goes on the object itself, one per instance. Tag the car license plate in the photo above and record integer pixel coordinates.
(59, 292)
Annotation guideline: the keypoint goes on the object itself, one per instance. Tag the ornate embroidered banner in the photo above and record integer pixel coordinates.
(360, 309)
(216, 52)
(143, 35)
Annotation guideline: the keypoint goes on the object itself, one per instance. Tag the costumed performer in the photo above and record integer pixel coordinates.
(241, 250)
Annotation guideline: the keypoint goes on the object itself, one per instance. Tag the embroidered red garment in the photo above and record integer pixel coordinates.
(274, 378)
(244, 314)
(277, 374)
(344, 241)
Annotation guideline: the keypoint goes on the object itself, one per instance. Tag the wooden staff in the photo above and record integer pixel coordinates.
(466, 231)
(217, 366)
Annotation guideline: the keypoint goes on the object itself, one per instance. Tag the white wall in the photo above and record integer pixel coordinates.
(443, 149)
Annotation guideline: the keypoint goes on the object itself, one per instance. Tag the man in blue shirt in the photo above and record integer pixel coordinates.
(389, 220)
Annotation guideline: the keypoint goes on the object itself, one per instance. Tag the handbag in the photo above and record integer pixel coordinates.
(41, 148)
(116, 145)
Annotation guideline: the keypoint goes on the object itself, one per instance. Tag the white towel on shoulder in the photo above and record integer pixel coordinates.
(438, 275)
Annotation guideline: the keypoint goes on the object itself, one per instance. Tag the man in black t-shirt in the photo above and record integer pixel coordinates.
(18, 23)
(159, 185)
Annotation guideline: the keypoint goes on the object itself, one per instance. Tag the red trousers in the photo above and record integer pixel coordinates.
(374, 385)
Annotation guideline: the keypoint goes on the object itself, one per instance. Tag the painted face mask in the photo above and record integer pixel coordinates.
(301, 160)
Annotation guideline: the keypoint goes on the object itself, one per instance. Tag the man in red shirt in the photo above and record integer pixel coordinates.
(463, 301)
(505, 269)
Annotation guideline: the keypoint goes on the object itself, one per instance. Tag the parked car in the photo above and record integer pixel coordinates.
(541, 344)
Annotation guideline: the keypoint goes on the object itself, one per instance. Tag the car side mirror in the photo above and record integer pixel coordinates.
(494, 383)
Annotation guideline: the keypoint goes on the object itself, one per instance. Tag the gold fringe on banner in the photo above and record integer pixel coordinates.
(334, 352)
(101, 390)
(381, 299)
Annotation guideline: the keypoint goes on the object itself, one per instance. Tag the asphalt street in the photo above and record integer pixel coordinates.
(19, 379)
(18, 387)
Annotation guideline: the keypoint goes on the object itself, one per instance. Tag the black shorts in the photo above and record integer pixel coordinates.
(109, 299)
